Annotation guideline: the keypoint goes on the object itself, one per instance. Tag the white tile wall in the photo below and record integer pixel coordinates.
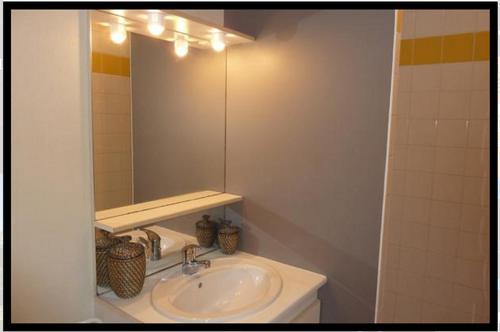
(460, 21)
(436, 228)
(112, 131)
(427, 23)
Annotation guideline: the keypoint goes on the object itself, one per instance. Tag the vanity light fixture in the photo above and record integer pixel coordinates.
(156, 25)
(118, 33)
(218, 43)
(181, 46)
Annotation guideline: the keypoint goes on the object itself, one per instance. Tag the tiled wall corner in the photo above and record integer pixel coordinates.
(435, 244)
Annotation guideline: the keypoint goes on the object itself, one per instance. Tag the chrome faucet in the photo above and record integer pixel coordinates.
(189, 263)
(152, 245)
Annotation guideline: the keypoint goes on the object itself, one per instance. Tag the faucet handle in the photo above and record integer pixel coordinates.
(189, 253)
(152, 236)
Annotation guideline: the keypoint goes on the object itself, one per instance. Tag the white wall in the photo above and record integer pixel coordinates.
(52, 235)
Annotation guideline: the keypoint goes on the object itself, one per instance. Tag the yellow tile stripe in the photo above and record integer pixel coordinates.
(482, 46)
(458, 48)
(399, 20)
(110, 64)
(427, 50)
(474, 46)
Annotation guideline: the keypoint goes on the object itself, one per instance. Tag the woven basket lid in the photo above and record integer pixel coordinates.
(126, 250)
(227, 228)
(124, 238)
(205, 222)
(105, 242)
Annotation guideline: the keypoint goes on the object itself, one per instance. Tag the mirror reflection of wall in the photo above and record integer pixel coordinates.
(158, 120)
(178, 119)
(111, 120)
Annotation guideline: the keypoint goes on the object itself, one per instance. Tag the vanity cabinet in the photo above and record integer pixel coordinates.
(296, 299)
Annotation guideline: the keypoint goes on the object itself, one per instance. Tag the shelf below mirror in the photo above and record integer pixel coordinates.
(136, 215)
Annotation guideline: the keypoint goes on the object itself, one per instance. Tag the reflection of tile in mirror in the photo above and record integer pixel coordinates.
(164, 120)
(111, 120)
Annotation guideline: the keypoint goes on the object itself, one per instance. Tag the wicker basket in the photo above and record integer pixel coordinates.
(103, 244)
(228, 237)
(127, 269)
(206, 231)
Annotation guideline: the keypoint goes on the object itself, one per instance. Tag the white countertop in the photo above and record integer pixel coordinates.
(299, 290)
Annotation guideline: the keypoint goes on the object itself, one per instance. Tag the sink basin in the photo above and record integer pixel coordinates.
(230, 289)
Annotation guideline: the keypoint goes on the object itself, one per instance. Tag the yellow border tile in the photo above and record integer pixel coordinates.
(482, 46)
(96, 62)
(399, 20)
(445, 49)
(110, 64)
(458, 48)
(406, 52)
(125, 66)
(427, 50)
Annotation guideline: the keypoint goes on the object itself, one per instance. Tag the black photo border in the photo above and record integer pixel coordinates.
(494, 183)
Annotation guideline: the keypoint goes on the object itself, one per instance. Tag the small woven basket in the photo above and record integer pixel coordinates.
(228, 237)
(127, 269)
(206, 231)
(102, 246)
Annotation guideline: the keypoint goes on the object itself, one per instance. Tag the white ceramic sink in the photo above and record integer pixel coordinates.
(231, 289)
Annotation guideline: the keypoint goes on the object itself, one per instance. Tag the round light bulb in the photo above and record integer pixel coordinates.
(156, 24)
(218, 43)
(181, 46)
(118, 33)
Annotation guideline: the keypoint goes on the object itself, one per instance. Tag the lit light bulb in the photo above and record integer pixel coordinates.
(118, 33)
(181, 25)
(218, 43)
(181, 46)
(156, 24)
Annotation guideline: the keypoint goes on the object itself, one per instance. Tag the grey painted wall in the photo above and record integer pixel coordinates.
(307, 117)
(178, 109)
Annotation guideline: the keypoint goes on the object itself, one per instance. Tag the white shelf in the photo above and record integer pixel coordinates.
(119, 211)
(119, 223)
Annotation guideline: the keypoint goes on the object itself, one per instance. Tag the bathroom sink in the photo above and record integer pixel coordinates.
(230, 289)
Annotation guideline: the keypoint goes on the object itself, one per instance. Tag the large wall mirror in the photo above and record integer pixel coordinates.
(158, 129)
(158, 119)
